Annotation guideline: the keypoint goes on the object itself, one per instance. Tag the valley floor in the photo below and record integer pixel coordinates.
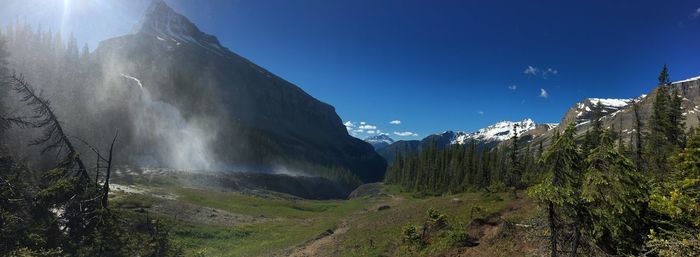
(210, 222)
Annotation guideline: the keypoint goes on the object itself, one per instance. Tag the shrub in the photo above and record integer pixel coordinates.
(437, 219)
(412, 235)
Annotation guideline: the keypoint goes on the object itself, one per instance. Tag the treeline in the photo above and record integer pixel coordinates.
(54, 64)
(62, 210)
(601, 195)
(458, 168)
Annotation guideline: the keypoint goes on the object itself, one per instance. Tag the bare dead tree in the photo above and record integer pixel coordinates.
(82, 200)
(53, 137)
(105, 187)
(108, 166)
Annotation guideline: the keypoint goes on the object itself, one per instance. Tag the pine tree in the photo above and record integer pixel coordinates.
(676, 208)
(613, 193)
(659, 144)
(676, 130)
(515, 167)
(638, 144)
(4, 90)
(664, 78)
(557, 193)
(590, 140)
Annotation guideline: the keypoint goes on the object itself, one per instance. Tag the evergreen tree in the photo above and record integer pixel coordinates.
(638, 144)
(557, 193)
(676, 229)
(593, 134)
(4, 90)
(613, 193)
(659, 145)
(664, 78)
(676, 130)
(515, 167)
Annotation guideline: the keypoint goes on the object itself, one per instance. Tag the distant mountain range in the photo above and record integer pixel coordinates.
(483, 138)
(379, 141)
(618, 115)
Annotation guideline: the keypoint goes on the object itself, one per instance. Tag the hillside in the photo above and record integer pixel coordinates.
(242, 223)
(619, 113)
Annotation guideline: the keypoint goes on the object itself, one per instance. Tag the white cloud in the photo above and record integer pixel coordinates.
(480, 112)
(362, 123)
(405, 134)
(531, 70)
(696, 13)
(535, 71)
(367, 127)
(513, 87)
(370, 131)
(349, 124)
(549, 72)
(543, 93)
(395, 122)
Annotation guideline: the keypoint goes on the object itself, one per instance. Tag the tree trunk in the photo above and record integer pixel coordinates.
(638, 133)
(552, 229)
(105, 187)
(577, 232)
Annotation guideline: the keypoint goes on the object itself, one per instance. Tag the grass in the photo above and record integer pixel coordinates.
(379, 233)
(291, 222)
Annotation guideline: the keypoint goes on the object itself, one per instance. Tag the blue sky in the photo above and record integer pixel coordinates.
(432, 65)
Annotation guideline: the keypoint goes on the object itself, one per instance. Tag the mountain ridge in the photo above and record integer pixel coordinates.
(257, 118)
(483, 138)
(620, 117)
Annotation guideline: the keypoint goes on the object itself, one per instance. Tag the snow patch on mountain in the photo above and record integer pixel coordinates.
(551, 125)
(383, 138)
(166, 24)
(611, 102)
(687, 80)
(500, 131)
(610, 105)
(379, 141)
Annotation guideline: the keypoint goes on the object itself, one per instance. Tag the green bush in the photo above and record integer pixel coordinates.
(437, 219)
(412, 235)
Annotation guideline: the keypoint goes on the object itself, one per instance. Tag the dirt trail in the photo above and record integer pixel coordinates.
(327, 240)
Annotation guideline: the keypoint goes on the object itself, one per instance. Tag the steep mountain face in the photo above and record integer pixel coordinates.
(483, 138)
(379, 141)
(581, 112)
(619, 113)
(238, 113)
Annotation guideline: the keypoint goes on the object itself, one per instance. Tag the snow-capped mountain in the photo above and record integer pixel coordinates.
(483, 138)
(175, 29)
(619, 115)
(582, 111)
(379, 141)
(500, 131)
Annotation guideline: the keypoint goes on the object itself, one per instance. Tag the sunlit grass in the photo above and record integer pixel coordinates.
(287, 223)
